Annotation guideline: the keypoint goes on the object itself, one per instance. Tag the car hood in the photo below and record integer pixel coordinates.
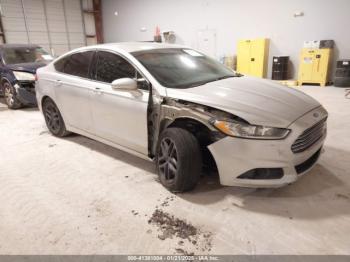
(26, 67)
(258, 101)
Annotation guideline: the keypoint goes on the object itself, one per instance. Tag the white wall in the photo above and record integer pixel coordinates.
(233, 20)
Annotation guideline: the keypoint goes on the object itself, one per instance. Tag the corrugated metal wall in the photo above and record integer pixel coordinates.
(54, 24)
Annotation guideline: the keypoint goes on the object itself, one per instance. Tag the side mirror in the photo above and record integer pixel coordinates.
(124, 84)
(142, 83)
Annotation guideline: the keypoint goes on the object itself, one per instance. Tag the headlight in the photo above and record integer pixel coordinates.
(244, 130)
(23, 76)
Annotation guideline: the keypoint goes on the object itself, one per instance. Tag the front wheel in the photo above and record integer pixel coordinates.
(53, 119)
(10, 96)
(179, 160)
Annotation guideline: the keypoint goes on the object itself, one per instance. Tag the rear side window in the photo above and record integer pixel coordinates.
(111, 67)
(76, 64)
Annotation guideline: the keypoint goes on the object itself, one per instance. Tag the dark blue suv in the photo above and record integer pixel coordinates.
(18, 64)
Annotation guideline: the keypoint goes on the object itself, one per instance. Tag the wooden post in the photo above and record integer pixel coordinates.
(98, 21)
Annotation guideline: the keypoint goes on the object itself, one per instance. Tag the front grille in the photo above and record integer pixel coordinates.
(309, 137)
(301, 168)
(263, 173)
(28, 86)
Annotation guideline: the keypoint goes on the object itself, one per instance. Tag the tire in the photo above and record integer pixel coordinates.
(179, 160)
(10, 96)
(53, 119)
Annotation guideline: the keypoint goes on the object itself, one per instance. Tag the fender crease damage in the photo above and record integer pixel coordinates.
(167, 112)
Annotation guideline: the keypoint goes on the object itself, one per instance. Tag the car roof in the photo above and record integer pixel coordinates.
(133, 46)
(19, 46)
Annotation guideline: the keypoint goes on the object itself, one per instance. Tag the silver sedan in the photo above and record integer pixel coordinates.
(185, 111)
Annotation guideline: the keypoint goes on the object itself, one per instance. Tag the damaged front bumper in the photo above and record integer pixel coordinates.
(25, 92)
(267, 163)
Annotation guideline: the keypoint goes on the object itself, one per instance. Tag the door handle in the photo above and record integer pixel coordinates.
(58, 83)
(98, 91)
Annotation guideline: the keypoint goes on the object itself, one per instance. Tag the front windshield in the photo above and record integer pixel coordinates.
(18, 55)
(182, 68)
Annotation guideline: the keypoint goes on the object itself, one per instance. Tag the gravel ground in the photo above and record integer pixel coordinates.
(78, 196)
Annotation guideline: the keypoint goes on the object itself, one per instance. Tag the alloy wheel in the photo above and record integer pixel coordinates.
(8, 94)
(52, 118)
(167, 160)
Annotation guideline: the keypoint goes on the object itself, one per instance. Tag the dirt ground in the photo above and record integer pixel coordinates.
(78, 196)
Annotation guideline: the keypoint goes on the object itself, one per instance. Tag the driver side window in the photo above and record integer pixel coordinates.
(111, 67)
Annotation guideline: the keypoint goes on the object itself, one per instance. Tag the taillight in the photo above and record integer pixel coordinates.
(36, 77)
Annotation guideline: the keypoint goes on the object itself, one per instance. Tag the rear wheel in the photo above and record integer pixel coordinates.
(53, 119)
(179, 160)
(10, 96)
